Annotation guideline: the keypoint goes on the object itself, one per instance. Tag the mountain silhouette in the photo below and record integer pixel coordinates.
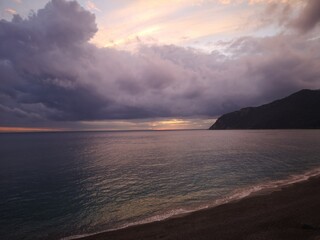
(300, 110)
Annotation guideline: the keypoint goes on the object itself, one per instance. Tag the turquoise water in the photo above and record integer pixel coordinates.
(57, 185)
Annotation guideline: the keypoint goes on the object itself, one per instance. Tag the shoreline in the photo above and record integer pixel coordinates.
(242, 215)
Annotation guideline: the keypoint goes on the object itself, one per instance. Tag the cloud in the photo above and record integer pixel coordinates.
(302, 16)
(10, 11)
(309, 16)
(162, 21)
(92, 6)
(50, 72)
(251, 2)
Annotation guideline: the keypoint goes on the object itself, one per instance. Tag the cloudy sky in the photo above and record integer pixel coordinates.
(150, 64)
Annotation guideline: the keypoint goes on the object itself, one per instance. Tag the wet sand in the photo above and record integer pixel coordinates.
(292, 212)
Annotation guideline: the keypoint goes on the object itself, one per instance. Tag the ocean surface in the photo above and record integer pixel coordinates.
(60, 185)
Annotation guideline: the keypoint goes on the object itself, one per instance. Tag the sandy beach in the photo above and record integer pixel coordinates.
(292, 212)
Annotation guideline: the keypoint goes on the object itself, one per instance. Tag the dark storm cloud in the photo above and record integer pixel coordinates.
(50, 72)
(309, 17)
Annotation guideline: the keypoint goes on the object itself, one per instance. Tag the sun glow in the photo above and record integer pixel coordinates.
(171, 124)
(26, 129)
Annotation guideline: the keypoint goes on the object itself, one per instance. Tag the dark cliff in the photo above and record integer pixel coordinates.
(300, 110)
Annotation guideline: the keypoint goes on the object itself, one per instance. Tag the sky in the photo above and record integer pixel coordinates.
(147, 64)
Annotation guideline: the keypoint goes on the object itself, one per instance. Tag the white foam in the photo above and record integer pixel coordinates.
(234, 196)
(267, 187)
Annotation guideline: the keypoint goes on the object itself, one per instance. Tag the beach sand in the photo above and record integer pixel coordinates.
(292, 212)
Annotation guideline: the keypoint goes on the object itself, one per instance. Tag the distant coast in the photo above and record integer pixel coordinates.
(291, 213)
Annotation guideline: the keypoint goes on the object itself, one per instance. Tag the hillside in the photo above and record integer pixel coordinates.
(300, 110)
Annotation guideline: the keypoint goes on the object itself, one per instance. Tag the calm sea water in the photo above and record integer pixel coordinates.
(56, 185)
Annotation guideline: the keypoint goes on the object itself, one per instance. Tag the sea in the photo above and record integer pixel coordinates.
(63, 185)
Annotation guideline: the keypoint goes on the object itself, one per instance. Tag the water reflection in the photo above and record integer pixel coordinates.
(60, 184)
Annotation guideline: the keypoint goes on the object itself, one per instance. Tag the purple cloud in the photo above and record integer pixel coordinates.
(50, 72)
(309, 17)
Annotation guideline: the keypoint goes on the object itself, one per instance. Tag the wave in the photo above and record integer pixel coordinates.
(236, 195)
